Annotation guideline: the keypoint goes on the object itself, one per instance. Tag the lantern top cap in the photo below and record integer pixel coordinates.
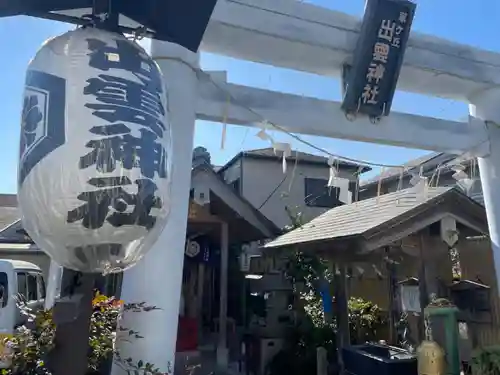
(177, 21)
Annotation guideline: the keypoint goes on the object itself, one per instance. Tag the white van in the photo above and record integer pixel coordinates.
(18, 278)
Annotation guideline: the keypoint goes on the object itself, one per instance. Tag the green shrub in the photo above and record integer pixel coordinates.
(27, 351)
(486, 361)
(365, 319)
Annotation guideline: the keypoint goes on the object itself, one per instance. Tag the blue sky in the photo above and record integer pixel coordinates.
(451, 19)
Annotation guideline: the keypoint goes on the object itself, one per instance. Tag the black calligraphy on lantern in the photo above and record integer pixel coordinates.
(120, 145)
(124, 57)
(144, 105)
(119, 102)
(112, 203)
(126, 99)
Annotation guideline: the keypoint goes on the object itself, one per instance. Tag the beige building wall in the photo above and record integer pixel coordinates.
(262, 177)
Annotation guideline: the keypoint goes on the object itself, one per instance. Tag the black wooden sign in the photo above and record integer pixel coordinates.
(378, 57)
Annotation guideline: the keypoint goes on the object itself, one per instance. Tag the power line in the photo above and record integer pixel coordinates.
(236, 101)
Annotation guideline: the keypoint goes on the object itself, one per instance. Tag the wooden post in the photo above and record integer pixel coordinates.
(72, 317)
(428, 278)
(393, 309)
(321, 361)
(222, 350)
(191, 288)
(341, 311)
(422, 287)
(328, 315)
(199, 299)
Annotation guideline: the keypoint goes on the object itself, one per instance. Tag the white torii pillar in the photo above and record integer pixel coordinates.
(485, 105)
(53, 284)
(157, 279)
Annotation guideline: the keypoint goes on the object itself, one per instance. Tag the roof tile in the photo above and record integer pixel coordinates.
(359, 217)
(301, 156)
(8, 210)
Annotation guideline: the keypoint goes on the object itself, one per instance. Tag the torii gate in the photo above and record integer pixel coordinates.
(312, 39)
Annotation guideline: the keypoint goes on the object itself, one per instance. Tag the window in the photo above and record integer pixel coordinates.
(41, 286)
(27, 286)
(22, 285)
(236, 185)
(318, 194)
(32, 287)
(4, 289)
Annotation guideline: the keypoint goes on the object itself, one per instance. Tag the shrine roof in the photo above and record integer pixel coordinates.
(301, 157)
(231, 206)
(400, 213)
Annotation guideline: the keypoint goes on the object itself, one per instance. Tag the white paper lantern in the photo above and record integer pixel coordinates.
(94, 163)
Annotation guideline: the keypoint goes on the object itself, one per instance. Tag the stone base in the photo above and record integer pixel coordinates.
(222, 358)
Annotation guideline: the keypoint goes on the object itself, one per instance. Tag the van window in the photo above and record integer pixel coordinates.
(22, 286)
(4, 289)
(41, 286)
(32, 287)
(27, 286)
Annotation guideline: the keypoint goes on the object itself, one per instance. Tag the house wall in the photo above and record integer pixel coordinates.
(262, 176)
(8, 210)
(374, 288)
(476, 259)
(233, 172)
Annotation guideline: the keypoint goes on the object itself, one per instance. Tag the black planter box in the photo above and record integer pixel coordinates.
(371, 359)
